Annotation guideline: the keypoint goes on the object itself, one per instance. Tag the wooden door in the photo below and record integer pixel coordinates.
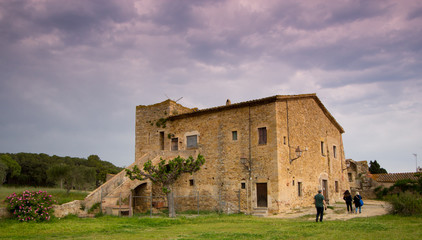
(325, 189)
(261, 195)
(161, 140)
(174, 144)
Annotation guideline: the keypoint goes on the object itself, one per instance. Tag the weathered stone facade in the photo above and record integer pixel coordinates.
(359, 180)
(248, 147)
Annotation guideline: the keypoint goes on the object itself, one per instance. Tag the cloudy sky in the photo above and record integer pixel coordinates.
(72, 72)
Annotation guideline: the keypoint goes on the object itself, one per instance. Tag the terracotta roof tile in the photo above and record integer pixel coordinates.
(393, 177)
(263, 101)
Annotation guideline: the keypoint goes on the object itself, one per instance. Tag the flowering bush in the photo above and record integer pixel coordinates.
(30, 206)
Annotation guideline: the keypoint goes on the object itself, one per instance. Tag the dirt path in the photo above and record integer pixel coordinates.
(339, 212)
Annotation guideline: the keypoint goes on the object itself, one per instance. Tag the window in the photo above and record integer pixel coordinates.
(284, 140)
(191, 182)
(243, 185)
(161, 140)
(192, 141)
(335, 151)
(262, 135)
(293, 182)
(322, 148)
(299, 189)
(174, 144)
(350, 177)
(234, 135)
(336, 185)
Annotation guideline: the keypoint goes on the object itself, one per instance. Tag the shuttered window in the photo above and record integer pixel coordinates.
(262, 135)
(174, 144)
(192, 141)
(234, 135)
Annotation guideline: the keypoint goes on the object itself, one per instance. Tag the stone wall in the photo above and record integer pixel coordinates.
(304, 124)
(231, 163)
(360, 180)
(4, 213)
(65, 209)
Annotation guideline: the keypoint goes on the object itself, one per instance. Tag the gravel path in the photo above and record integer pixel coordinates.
(339, 212)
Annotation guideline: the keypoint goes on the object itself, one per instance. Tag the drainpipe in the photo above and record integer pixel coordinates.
(288, 130)
(250, 163)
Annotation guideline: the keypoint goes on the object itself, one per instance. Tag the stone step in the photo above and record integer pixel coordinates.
(115, 209)
(260, 212)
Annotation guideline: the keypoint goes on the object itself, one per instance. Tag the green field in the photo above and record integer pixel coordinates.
(214, 227)
(211, 226)
(59, 195)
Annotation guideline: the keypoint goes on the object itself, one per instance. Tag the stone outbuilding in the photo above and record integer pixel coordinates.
(388, 179)
(269, 154)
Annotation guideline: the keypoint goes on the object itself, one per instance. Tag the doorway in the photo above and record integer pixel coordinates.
(261, 195)
(161, 140)
(174, 144)
(140, 203)
(325, 189)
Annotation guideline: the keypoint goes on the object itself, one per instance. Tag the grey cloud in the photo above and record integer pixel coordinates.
(72, 72)
(75, 20)
(322, 14)
(415, 13)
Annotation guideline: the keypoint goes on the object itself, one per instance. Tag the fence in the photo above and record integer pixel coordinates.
(195, 203)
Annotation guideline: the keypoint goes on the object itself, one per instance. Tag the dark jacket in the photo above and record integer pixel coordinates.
(356, 200)
(348, 198)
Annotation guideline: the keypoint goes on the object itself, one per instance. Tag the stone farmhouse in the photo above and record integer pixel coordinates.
(269, 154)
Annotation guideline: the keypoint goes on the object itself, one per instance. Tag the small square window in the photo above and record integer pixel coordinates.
(243, 185)
(234, 135)
(262, 135)
(192, 141)
(191, 182)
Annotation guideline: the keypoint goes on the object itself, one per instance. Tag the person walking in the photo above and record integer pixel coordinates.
(319, 205)
(348, 198)
(357, 201)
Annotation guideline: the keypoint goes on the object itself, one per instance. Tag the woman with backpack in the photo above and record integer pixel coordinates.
(357, 200)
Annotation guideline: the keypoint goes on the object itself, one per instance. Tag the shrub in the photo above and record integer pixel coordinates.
(30, 206)
(406, 203)
(381, 192)
(94, 208)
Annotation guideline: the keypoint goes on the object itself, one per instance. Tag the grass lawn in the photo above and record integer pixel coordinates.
(214, 226)
(58, 194)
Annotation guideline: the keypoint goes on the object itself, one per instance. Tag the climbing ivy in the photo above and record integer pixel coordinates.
(161, 122)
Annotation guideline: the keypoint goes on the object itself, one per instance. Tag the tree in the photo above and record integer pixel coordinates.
(33, 169)
(62, 173)
(166, 174)
(3, 173)
(84, 177)
(102, 168)
(374, 167)
(13, 168)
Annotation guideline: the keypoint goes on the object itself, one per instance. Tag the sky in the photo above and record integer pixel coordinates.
(73, 72)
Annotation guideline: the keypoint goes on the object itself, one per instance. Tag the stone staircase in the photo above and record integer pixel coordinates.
(260, 212)
(119, 187)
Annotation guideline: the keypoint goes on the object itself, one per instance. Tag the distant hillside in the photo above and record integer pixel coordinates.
(49, 171)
